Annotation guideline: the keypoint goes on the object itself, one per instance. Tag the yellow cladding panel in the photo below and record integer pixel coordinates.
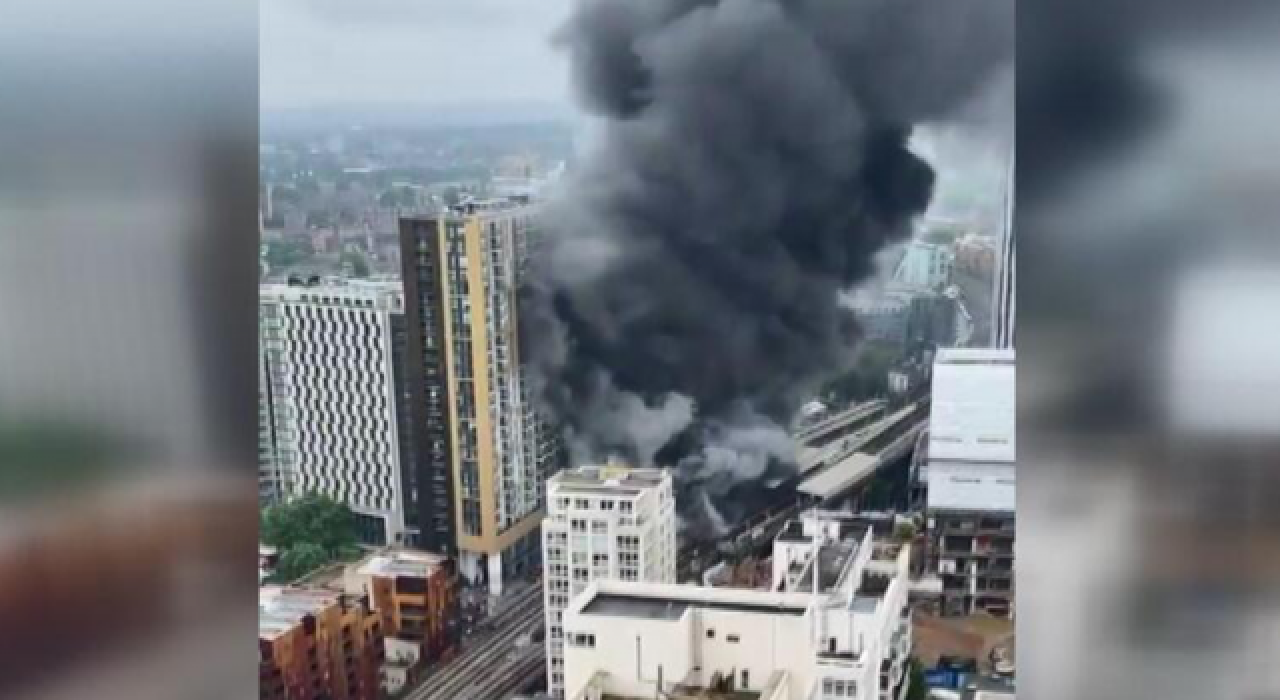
(489, 540)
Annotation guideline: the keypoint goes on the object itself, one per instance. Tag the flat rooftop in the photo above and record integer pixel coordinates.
(402, 563)
(662, 608)
(832, 560)
(610, 478)
(840, 476)
(975, 356)
(281, 609)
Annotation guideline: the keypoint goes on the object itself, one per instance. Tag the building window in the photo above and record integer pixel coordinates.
(732, 639)
(711, 634)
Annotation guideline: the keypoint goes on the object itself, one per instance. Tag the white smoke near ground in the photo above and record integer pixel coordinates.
(741, 450)
(712, 517)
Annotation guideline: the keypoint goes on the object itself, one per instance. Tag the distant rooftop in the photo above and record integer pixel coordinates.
(333, 291)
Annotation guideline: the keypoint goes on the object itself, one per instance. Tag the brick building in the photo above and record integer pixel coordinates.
(318, 644)
(414, 595)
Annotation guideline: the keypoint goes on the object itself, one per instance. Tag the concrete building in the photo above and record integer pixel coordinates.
(486, 452)
(835, 625)
(976, 255)
(414, 595)
(974, 409)
(924, 267)
(331, 393)
(970, 480)
(603, 522)
(971, 521)
(931, 323)
(882, 314)
(314, 643)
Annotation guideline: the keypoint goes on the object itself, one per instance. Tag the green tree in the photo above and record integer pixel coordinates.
(299, 560)
(904, 532)
(285, 254)
(916, 690)
(310, 519)
(358, 262)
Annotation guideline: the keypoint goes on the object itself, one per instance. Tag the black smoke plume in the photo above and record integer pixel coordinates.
(752, 159)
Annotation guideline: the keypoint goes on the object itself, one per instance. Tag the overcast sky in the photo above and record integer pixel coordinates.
(422, 52)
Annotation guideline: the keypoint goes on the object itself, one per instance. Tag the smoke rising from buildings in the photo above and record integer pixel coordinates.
(753, 159)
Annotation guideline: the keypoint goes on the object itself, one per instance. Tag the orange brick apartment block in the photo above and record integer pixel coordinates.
(414, 595)
(318, 644)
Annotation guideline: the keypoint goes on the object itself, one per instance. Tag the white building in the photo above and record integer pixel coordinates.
(329, 396)
(973, 413)
(970, 478)
(847, 637)
(603, 523)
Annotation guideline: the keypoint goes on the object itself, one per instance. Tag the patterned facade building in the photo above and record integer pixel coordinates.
(333, 414)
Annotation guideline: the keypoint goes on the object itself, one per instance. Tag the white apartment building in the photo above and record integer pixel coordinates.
(329, 397)
(973, 414)
(834, 626)
(603, 523)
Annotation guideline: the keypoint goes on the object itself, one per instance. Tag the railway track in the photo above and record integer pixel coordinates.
(525, 667)
(486, 653)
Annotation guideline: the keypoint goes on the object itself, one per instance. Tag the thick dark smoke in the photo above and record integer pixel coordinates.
(753, 159)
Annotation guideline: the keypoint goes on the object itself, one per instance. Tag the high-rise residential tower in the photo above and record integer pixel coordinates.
(486, 452)
(331, 403)
(606, 522)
